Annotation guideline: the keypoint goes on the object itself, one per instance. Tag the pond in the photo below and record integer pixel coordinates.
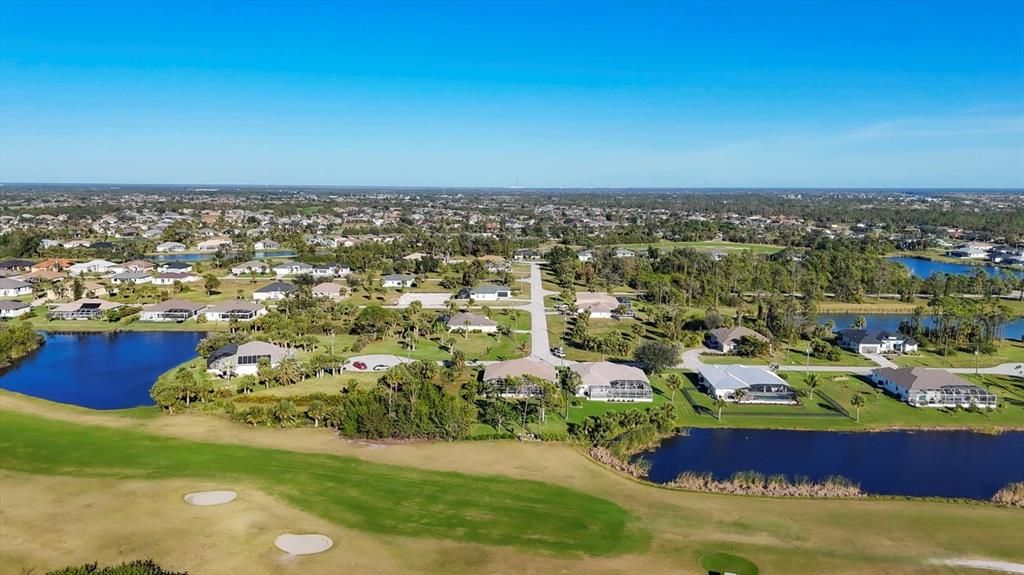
(921, 464)
(100, 370)
(891, 321)
(209, 256)
(924, 268)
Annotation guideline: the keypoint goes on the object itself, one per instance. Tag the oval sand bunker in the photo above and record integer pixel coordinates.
(303, 544)
(204, 498)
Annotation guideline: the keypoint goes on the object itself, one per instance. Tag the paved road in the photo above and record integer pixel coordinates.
(540, 344)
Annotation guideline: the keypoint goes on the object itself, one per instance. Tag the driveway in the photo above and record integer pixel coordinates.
(540, 343)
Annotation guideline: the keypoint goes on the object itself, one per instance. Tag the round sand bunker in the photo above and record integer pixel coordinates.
(203, 498)
(307, 544)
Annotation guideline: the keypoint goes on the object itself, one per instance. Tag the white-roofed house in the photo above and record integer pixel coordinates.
(600, 305)
(397, 281)
(465, 321)
(234, 360)
(508, 378)
(240, 310)
(758, 385)
(330, 290)
(171, 310)
(171, 247)
(606, 381)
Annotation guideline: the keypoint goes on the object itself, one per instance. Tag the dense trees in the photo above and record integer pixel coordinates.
(17, 339)
(655, 356)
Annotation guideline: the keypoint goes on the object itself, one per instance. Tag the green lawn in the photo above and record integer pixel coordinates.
(1007, 352)
(354, 493)
(123, 325)
(795, 355)
(476, 346)
(708, 245)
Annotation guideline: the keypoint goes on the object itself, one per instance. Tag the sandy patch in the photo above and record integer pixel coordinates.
(1001, 566)
(307, 544)
(204, 498)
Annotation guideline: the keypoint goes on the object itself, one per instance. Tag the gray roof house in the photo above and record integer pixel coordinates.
(329, 290)
(505, 376)
(606, 381)
(465, 321)
(930, 387)
(172, 310)
(13, 288)
(398, 280)
(244, 359)
(759, 385)
(10, 308)
(86, 308)
(485, 293)
(724, 339)
(876, 341)
(276, 290)
(237, 309)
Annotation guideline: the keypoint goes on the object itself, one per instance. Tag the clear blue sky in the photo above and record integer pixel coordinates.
(533, 94)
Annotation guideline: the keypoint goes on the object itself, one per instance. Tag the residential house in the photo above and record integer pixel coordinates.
(526, 254)
(213, 244)
(329, 290)
(171, 247)
(600, 305)
(234, 360)
(397, 281)
(180, 267)
(485, 293)
(266, 245)
(91, 267)
(292, 269)
(274, 291)
(251, 266)
(138, 266)
(929, 387)
(585, 255)
(131, 278)
(14, 266)
(876, 341)
(507, 377)
(53, 265)
(14, 288)
(81, 309)
(724, 339)
(623, 253)
(172, 310)
(9, 308)
(240, 310)
(758, 385)
(971, 251)
(615, 382)
(168, 278)
(465, 321)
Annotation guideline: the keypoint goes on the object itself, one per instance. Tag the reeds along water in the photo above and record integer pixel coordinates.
(1012, 495)
(754, 483)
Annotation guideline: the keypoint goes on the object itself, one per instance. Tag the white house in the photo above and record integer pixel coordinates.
(91, 267)
(329, 290)
(397, 280)
(876, 341)
(614, 382)
(213, 244)
(172, 310)
(180, 267)
(14, 288)
(292, 269)
(486, 293)
(585, 255)
(234, 360)
(970, 251)
(9, 309)
(758, 385)
(929, 387)
(171, 247)
(234, 309)
(131, 278)
(168, 278)
(250, 267)
(87, 308)
(266, 245)
(274, 291)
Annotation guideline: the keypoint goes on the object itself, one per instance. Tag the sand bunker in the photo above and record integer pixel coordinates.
(204, 498)
(303, 544)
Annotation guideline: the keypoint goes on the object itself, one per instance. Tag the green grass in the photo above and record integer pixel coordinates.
(708, 245)
(100, 325)
(1006, 352)
(795, 355)
(726, 563)
(349, 492)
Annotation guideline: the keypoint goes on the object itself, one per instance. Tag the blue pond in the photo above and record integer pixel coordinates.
(207, 257)
(925, 268)
(99, 370)
(923, 464)
(891, 321)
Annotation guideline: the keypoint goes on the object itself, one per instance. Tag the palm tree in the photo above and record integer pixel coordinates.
(740, 395)
(571, 382)
(858, 402)
(720, 404)
(289, 372)
(316, 410)
(674, 382)
(812, 381)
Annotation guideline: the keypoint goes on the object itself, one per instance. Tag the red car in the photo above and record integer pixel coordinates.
(359, 365)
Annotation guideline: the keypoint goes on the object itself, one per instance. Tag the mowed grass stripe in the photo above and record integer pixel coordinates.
(347, 491)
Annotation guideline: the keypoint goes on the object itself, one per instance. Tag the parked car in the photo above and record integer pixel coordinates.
(381, 367)
(558, 352)
(359, 365)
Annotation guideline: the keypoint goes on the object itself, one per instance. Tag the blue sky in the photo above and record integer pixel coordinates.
(501, 94)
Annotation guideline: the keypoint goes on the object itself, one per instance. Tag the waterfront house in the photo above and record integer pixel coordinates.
(180, 267)
(506, 377)
(233, 360)
(970, 251)
(171, 310)
(170, 247)
(14, 288)
(82, 309)
(397, 281)
(276, 290)
(759, 385)
(600, 305)
(266, 245)
(465, 321)
(168, 278)
(930, 387)
(9, 308)
(213, 244)
(138, 266)
(91, 267)
(615, 382)
(251, 266)
(875, 341)
(234, 309)
(485, 293)
(329, 290)
(131, 278)
(292, 269)
(724, 339)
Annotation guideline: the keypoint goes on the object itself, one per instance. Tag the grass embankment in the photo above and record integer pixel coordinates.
(761, 249)
(795, 354)
(113, 515)
(1006, 352)
(366, 496)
